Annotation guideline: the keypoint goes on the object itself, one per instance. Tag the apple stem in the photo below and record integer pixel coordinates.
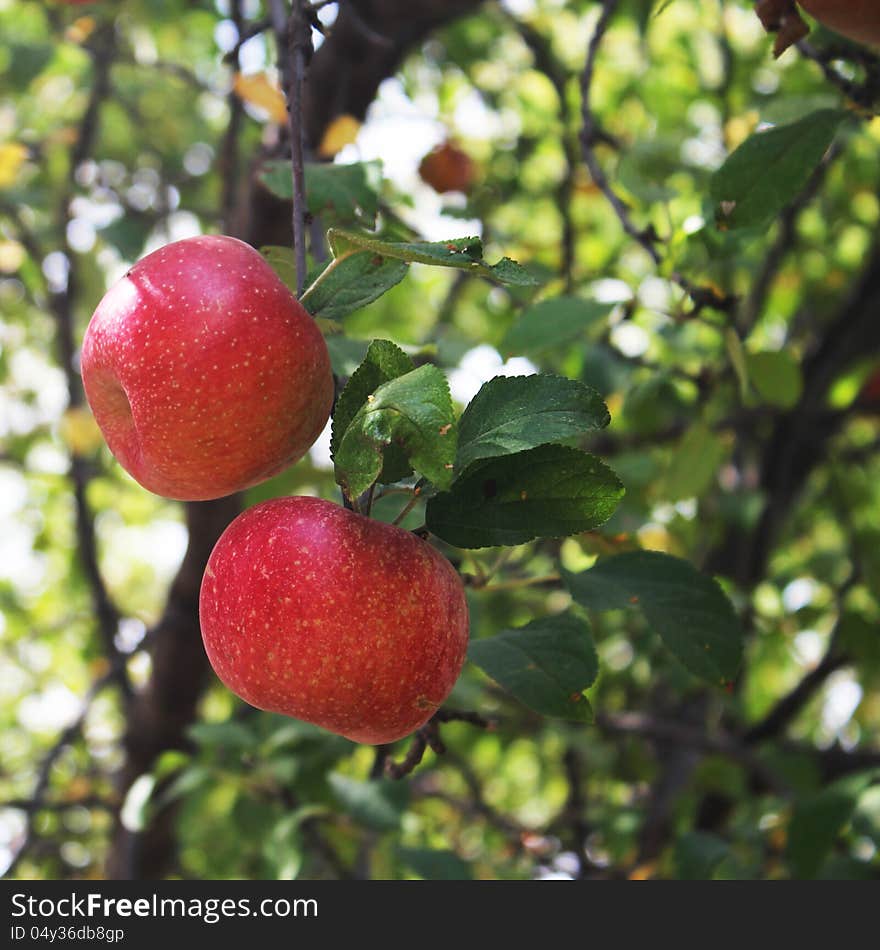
(365, 502)
(416, 495)
(424, 738)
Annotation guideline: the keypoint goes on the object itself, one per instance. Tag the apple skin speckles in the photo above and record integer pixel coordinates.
(312, 611)
(175, 369)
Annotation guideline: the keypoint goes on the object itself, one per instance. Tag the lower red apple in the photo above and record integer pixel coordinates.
(310, 610)
(204, 373)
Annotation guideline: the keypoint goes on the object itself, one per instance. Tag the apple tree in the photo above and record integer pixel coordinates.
(598, 281)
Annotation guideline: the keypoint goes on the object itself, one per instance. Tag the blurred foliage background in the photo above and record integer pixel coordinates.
(120, 130)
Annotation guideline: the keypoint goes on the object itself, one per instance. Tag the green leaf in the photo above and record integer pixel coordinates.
(686, 608)
(378, 805)
(817, 822)
(461, 253)
(346, 354)
(341, 193)
(698, 854)
(351, 281)
(134, 815)
(27, 61)
(128, 235)
(230, 734)
(546, 665)
(282, 846)
(552, 323)
(188, 781)
(510, 273)
(548, 492)
(278, 178)
(383, 362)
(433, 865)
(694, 464)
(769, 169)
(414, 413)
(511, 414)
(283, 262)
(648, 167)
(776, 377)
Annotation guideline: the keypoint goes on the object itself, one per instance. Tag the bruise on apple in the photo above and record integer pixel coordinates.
(203, 372)
(312, 611)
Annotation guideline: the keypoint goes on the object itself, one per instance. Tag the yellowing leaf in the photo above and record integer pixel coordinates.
(79, 431)
(12, 156)
(80, 30)
(342, 131)
(260, 91)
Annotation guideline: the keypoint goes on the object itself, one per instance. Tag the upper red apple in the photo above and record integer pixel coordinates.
(204, 372)
(310, 610)
(857, 19)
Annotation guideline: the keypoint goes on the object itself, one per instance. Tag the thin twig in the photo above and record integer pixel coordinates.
(294, 37)
(787, 709)
(424, 737)
(466, 715)
(245, 34)
(229, 149)
(648, 727)
(428, 737)
(753, 305)
(863, 94)
(546, 63)
(646, 237)
(416, 495)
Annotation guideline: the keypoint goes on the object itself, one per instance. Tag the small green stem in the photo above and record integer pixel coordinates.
(417, 493)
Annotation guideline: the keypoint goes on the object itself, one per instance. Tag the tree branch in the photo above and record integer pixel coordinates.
(647, 238)
(346, 71)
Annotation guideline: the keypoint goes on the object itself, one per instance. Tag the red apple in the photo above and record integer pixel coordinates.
(310, 610)
(203, 371)
(447, 168)
(857, 19)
